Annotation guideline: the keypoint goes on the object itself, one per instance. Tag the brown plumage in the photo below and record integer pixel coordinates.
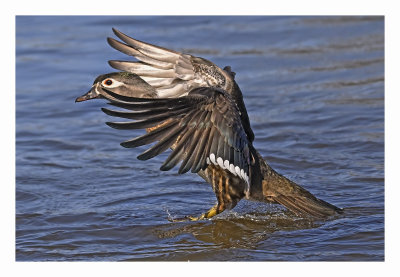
(195, 108)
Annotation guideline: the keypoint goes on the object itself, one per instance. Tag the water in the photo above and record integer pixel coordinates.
(314, 90)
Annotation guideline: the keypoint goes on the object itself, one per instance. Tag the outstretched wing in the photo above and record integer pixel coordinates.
(203, 127)
(171, 73)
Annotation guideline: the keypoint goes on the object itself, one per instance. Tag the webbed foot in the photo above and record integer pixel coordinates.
(207, 215)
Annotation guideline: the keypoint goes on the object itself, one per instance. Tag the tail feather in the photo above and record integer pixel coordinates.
(279, 189)
(290, 204)
(306, 206)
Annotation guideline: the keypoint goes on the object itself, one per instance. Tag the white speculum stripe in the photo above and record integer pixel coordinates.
(232, 169)
(226, 165)
(220, 162)
(235, 170)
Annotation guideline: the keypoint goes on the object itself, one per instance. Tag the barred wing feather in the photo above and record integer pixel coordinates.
(171, 73)
(203, 127)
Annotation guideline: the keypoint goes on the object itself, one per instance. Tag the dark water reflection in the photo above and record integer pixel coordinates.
(314, 89)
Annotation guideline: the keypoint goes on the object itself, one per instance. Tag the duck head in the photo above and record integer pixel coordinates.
(121, 83)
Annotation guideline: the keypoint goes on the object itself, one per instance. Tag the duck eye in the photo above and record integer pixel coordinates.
(108, 82)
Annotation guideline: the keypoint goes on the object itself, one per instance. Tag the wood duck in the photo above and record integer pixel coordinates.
(190, 105)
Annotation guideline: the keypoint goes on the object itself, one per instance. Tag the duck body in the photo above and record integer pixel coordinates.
(196, 109)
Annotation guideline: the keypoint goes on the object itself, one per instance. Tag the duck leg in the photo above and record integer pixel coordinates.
(228, 190)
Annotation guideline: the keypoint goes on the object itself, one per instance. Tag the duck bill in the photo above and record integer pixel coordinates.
(91, 94)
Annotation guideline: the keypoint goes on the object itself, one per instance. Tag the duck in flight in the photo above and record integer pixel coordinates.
(196, 109)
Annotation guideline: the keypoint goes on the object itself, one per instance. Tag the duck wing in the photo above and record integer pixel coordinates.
(203, 127)
(171, 73)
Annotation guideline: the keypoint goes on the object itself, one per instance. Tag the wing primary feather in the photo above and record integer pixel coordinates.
(226, 151)
(158, 82)
(184, 61)
(172, 91)
(188, 161)
(201, 144)
(236, 158)
(139, 44)
(207, 149)
(169, 139)
(242, 165)
(214, 144)
(231, 155)
(194, 123)
(226, 156)
(150, 122)
(154, 120)
(221, 146)
(142, 69)
(148, 49)
(197, 162)
(162, 145)
(130, 51)
(144, 106)
(147, 114)
(177, 154)
(150, 137)
(127, 106)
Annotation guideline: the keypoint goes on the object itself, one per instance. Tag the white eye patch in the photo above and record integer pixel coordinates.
(111, 83)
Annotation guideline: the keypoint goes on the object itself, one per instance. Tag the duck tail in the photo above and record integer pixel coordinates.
(279, 189)
(306, 204)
